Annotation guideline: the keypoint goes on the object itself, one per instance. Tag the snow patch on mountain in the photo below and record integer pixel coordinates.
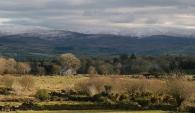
(140, 32)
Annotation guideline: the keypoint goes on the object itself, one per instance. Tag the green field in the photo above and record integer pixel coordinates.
(89, 111)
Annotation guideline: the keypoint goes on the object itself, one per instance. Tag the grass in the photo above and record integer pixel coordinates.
(52, 83)
(89, 111)
(10, 103)
(64, 102)
(48, 103)
(58, 82)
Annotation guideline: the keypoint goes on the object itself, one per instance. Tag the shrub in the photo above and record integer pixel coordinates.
(185, 106)
(85, 88)
(156, 87)
(143, 101)
(8, 81)
(137, 88)
(23, 68)
(103, 84)
(42, 94)
(108, 89)
(92, 90)
(180, 90)
(124, 97)
(27, 82)
(91, 87)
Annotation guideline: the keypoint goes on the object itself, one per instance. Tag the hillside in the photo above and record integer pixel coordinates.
(49, 43)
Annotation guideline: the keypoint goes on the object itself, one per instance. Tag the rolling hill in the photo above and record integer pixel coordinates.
(53, 42)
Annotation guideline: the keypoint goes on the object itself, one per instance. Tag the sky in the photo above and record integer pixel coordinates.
(100, 16)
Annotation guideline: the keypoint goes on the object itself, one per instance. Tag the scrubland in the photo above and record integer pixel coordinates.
(95, 93)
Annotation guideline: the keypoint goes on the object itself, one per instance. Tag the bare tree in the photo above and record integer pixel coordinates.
(10, 66)
(70, 63)
(23, 68)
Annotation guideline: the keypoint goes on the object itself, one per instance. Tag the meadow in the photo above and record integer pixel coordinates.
(94, 94)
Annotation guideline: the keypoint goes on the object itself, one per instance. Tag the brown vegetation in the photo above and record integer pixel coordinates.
(10, 66)
(27, 82)
(172, 90)
(8, 81)
(180, 90)
(120, 90)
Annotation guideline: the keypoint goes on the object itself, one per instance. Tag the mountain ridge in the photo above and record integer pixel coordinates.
(52, 43)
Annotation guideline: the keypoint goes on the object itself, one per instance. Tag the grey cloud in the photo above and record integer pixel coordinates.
(98, 15)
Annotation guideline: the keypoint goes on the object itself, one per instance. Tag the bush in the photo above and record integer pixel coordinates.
(143, 101)
(97, 85)
(180, 90)
(92, 90)
(42, 94)
(23, 68)
(137, 88)
(87, 89)
(108, 89)
(124, 97)
(8, 81)
(91, 87)
(27, 82)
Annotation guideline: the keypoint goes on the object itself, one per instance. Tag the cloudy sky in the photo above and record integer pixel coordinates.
(99, 15)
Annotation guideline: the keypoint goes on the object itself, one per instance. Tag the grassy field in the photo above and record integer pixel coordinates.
(52, 82)
(58, 83)
(68, 82)
(89, 111)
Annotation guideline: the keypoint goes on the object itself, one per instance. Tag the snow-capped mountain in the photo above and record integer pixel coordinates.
(139, 32)
(33, 42)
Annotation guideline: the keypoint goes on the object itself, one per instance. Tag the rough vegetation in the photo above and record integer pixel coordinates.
(27, 82)
(103, 92)
(155, 84)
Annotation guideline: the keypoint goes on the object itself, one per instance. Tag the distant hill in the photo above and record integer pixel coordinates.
(53, 42)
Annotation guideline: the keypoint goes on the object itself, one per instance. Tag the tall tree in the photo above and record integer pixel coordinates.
(70, 62)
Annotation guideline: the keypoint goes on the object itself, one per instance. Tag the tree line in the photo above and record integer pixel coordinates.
(123, 64)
